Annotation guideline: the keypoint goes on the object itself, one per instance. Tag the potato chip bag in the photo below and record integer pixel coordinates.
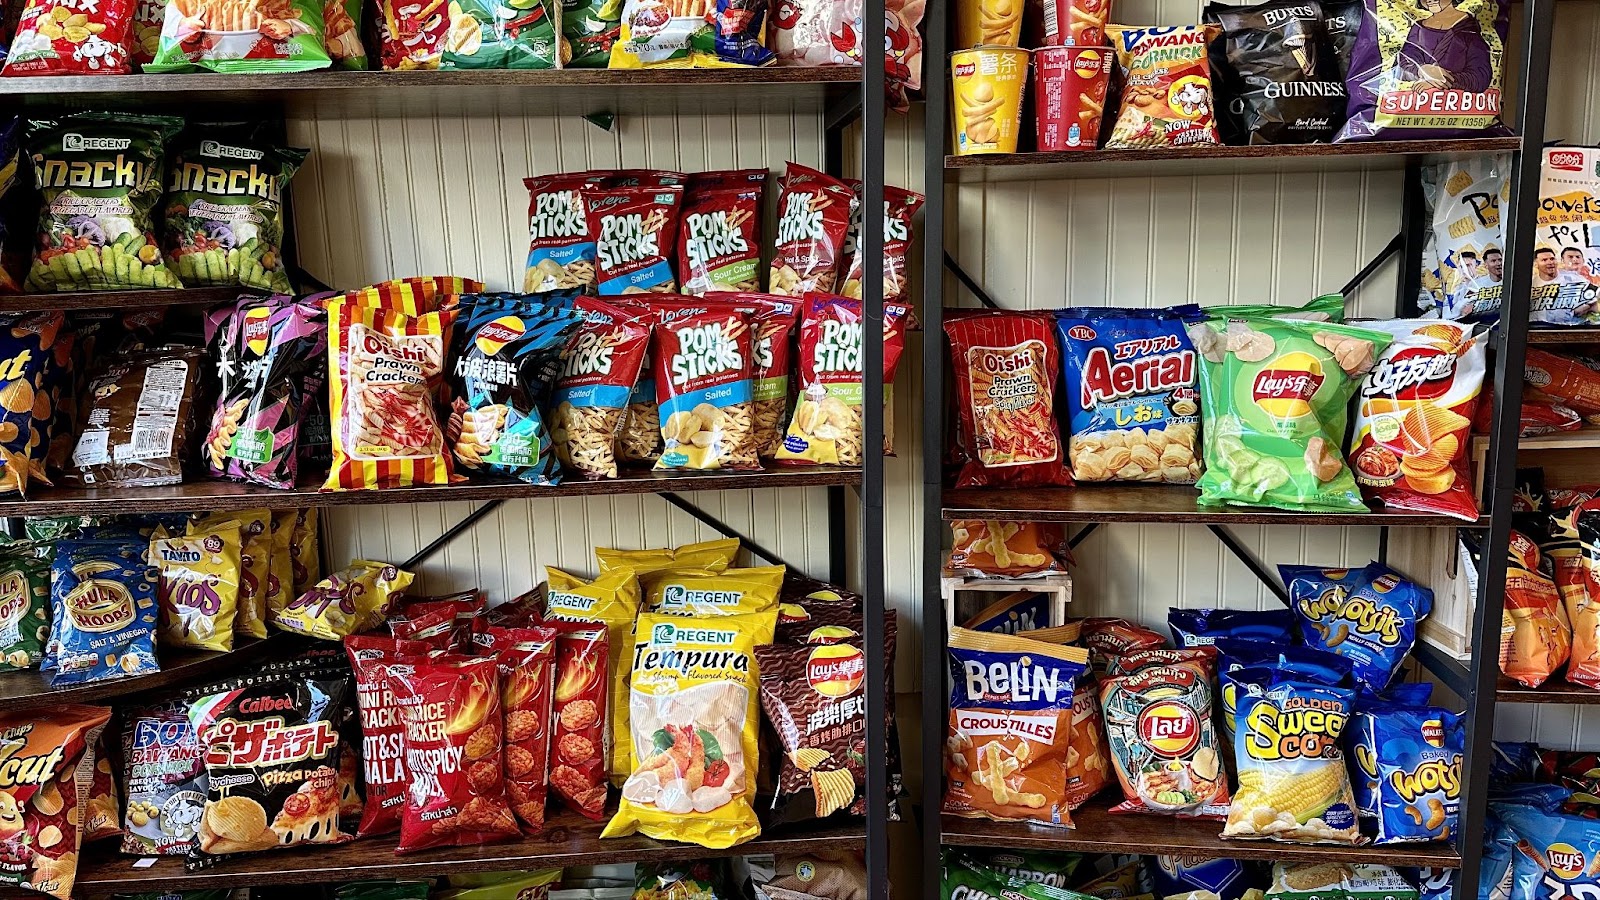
(1108, 638)
(694, 717)
(1203, 627)
(49, 759)
(1414, 417)
(774, 319)
(600, 368)
(102, 817)
(1377, 625)
(1535, 633)
(828, 421)
(280, 567)
(1167, 100)
(1163, 745)
(482, 36)
(704, 377)
(24, 606)
(1575, 555)
(350, 601)
(229, 36)
(199, 586)
(62, 37)
(255, 557)
(1274, 397)
(304, 554)
(613, 600)
(715, 555)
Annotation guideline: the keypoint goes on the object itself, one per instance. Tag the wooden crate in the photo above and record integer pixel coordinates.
(965, 597)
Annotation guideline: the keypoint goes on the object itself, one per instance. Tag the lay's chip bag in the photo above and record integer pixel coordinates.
(693, 721)
(1159, 725)
(1559, 853)
(1315, 596)
(1408, 771)
(199, 586)
(1293, 785)
(612, 600)
(1377, 625)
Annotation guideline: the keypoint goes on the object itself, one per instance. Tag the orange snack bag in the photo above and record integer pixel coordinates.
(988, 547)
(1535, 635)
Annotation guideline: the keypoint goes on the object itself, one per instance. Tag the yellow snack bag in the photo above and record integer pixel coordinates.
(199, 587)
(255, 558)
(714, 555)
(280, 571)
(693, 714)
(304, 557)
(613, 600)
(350, 601)
(752, 591)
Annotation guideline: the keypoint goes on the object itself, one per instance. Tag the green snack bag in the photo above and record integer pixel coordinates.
(229, 36)
(1327, 308)
(383, 890)
(1274, 396)
(24, 606)
(516, 34)
(100, 177)
(965, 878)
(1054, 869)
(341, 22)
(224, 208)
(591, 27)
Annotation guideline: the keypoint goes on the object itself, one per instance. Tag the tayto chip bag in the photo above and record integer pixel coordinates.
(1158, 724)
(703, 375)
(199, 587)
(693, 718)
(1377, 625)
(272, 758)
(579, 736)
(591, 28)
(1006, 366)
(235, 36)
(1414, 418)
(560, 250)
(502, 349)
(24, 606)
(1316, 595)
(1535, 633)
(256, 598)
(482, 36)
(384, 774)
(1293, 784)
(63, 37)
(1203, 627)
(1108, 638)
(814, 212)
(602, 365)
(102, 817)
(104, 597)
(1412, 756)
(899, 207)
(827, 426)
(1010, 726)
(773, 319)
(350, 601)
(1274, 395)
(164, 780)
(1166, 98)
(719, 240)
(1130, 383)
(527, 673)
(633, 230)
(1005, 549)
(99, 236)
(43, 786)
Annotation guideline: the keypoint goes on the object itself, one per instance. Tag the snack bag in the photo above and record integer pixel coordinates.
(44, 786)
(715, 555)
(145, 34)
(1411, 757)
(1551, 853)
(1088, 759)
(639, 439)
(899, 207)
(454, 738)
(738, 35)
(303, 549)
(1167, 100)
(24, 606)
(814, 213)
(703, 371)
(591, 28)
(1414, 418)
(580, 735)
(1316, 595)
(1130, 380)
(350, 601)
(633, 230)
(224, 222)
(719, 239)
(28, 343)
(1277, 62)
(341, 35)
(1575, 556)
(773, 318)
(1204, 627)
(164, 780)
(199, 587)
(384, 775)
(411, 35)
(482, 36)
(1464, 261)
(826, 428)
(601, 366)
(1300, 663)
(100, 237)
(658, 35)
(256, 427)
(560, 250)
(144, 398)
(1158, 724)
(1565, 379)
(256, 601)
(1108, 638)
(230, 36)
(1377, 625)
(1006, 369)
(384, 369)
(1274, 395)
(1293, 785)
(62, 37)
(1004, 549)
(1535, 632)
(527, 669)
(103, 594)
(693, 721)
(1566, 262)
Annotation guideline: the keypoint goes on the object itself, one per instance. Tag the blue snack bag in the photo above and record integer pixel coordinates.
(104, 594)
(1564, 850)
(1401, 693)
(1202, 627)
(1432, 883)
(1315, 595)
(1407, 774)
(1013, 614)
(1228, 879)
(1302, 662)
(1377, 625)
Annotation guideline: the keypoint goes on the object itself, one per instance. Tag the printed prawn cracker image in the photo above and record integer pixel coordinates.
(242, 36)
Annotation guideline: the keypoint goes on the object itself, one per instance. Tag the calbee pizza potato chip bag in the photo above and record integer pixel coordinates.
(694, 716)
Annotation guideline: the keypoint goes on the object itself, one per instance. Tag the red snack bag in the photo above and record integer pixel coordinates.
(719, 240)
(578, 768)
(633, 230)
(43, 786)
(560, 249)
(826, 428)
(650, 178)
(450, 707)
(382, 733)
(1006, 366)
(527, 669)
(727, 178)
(1564, 379)
(704, 388)
(1109, 637)
(814, 213)
(435, 629)
(445, 623)
(774, 319)
(72, 37)
(602, 366)
(899, 206)
(1535, 632)
(1070, 85)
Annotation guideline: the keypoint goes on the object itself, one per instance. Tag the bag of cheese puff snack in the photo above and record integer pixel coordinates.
(1293, 785)
(199, 586)
(693, 720)
(1407, 770)
(1377, 625)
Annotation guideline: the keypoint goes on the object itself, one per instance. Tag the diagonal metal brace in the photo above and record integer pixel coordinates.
(726, 530)
(1450, 672)
(450, 534)
(968, 281)
(1083, 535)
(1373, 265)
(1250, 562)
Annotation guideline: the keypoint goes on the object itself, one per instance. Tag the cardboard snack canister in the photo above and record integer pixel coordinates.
(1070, 85)
(987, 85)
(995, 23)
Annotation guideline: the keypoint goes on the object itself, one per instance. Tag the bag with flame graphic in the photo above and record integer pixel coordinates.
(612, 600)
(527, 668)
(385, 776)
(44, 788)
(199, 587)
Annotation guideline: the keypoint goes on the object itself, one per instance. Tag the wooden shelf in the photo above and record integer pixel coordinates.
(1155, 504)
(1211, 160)
(1582, 439)
(205, 496)
(118, 299)
(31, 688)
(567, 840)
(1099, 831)
(1564, 335)
(1556, 690)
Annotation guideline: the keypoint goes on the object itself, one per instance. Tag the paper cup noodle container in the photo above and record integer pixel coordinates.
(1076, 23)
(992, 23)
(986, 92)
(1070, 94)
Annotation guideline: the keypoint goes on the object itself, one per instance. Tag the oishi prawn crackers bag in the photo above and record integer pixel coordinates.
(1010, 728)
(826, 428)
(694, 714)
(1007, 365)
(1163, 745)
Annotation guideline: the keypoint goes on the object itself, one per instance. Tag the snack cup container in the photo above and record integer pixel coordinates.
(1070, 85)
(989, 23)
(1076, 23)
(986, 95)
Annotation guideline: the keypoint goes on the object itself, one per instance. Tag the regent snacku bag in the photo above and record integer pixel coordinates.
(102, 237)
(243, 36)
(482, 36)
(224, 208)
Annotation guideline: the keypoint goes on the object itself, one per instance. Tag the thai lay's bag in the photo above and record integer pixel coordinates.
(1377, 625)
(1159, 728)
(1316, 595)
(1203, 627)
(1408, 771)
(612, 600)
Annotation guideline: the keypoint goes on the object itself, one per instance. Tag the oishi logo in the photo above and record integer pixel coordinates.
(836, 670)
(1169, 728)
(1285, 387)
(493, 337)
(1566, 861)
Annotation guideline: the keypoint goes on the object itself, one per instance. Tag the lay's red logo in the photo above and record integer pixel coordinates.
(1087, 64)
(1566, 861)
(1566, 160)
(963, 70)
(502, 331)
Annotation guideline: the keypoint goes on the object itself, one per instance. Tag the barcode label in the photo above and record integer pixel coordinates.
(152, 439)
(1052, 27)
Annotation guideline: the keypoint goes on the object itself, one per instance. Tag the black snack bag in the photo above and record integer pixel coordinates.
(1277, 73)
(1343, 21)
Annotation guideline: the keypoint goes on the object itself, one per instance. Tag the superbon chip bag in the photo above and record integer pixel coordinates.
(224, 222)
(104, 597)
(560, 250)
(1535, 631)
(1274, 397)
(24, 606)
(101, 235)
(1316, 595)
(693, 721)
(1010, 727)
(62, 37)
(1006, 370)
(1158, 723)
(164, 775)
(483, 36)
(1293, 784)
(50, 753)
(814, 214)
(1463, 260)
(384, 773)
(1408, 768)
(634, 229)
(504, 346)
(1377, 625)
(829, 416)
(240, 37)
(602, 365)
(1130, 383)
(1168, 99)
(704, 390)
(1412, 76)
(198, 587)
(1276, 60)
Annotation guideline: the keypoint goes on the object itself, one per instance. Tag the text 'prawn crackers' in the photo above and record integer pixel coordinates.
(1010, 727)
(1158, 724)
